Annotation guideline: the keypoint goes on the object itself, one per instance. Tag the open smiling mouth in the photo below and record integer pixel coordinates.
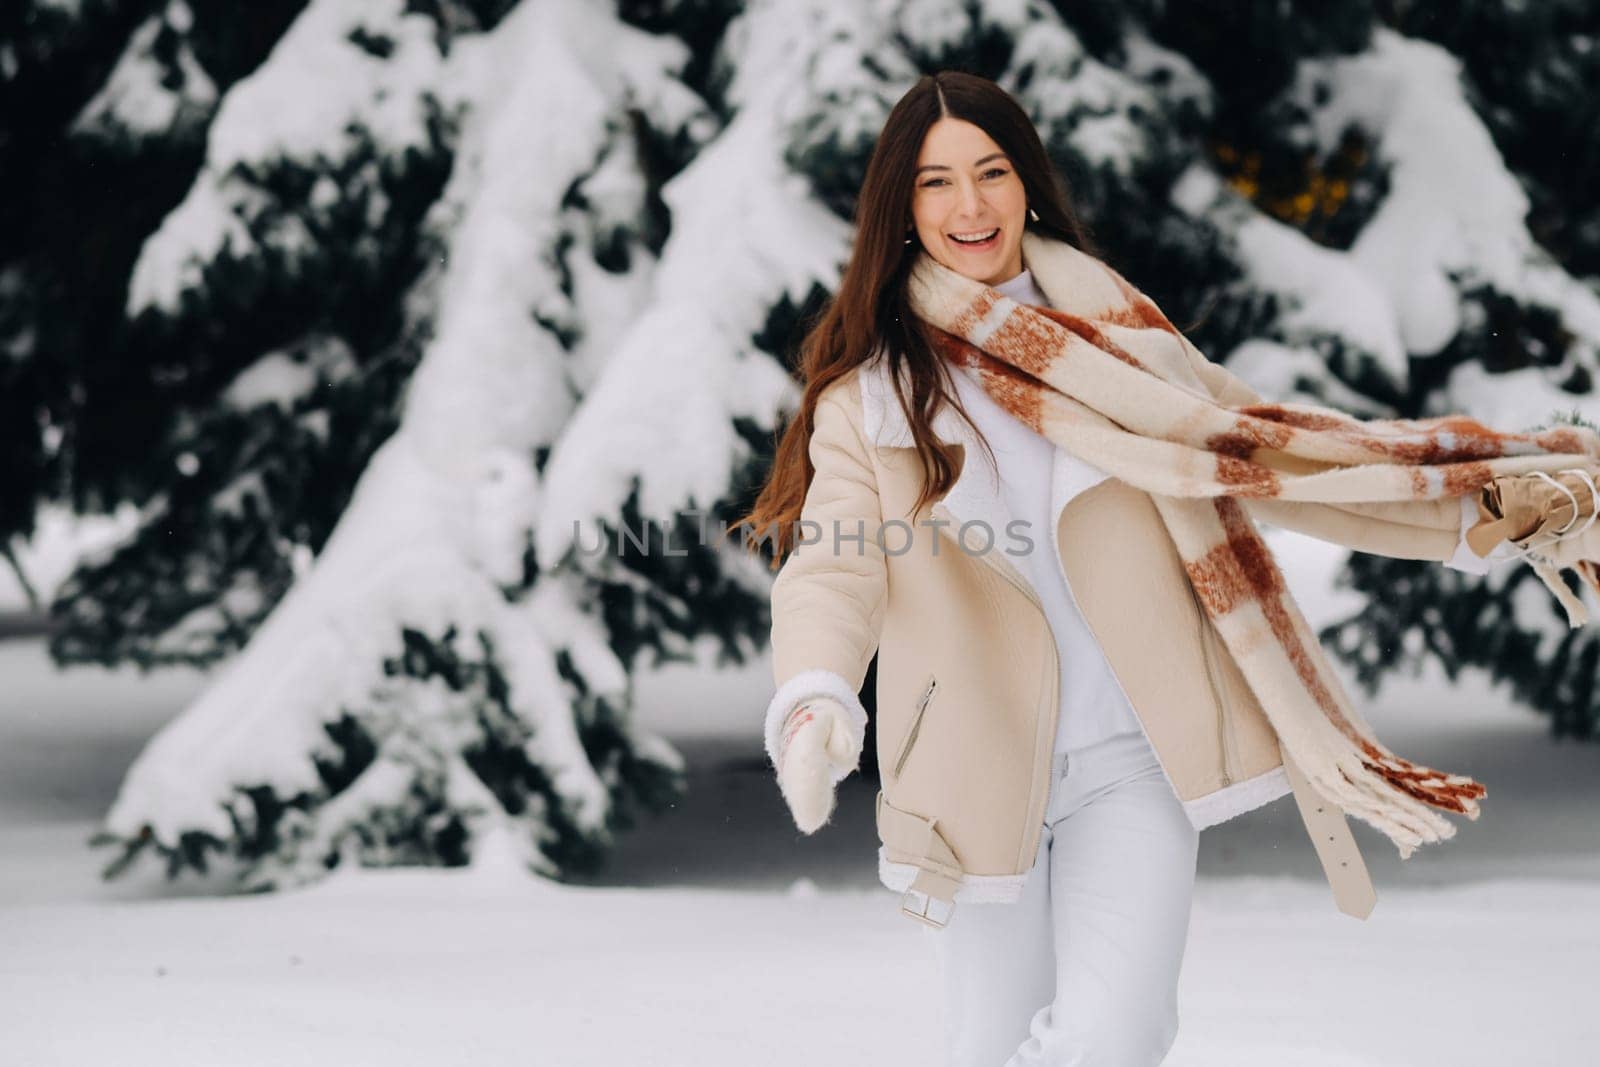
(978, 241)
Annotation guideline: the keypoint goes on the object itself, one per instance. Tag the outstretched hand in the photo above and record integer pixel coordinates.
(816, 744)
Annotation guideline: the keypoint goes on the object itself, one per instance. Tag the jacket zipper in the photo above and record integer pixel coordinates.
(1030, 843)
(1218, 692)
(916, 725)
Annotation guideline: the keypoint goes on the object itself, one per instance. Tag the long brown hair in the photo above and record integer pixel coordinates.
(871, 308)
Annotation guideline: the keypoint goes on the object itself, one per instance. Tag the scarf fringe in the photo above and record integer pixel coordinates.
(1341, 755)
(1301, 696)
(1550, 575)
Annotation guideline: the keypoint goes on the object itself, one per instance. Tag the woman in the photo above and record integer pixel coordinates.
(1048, 752)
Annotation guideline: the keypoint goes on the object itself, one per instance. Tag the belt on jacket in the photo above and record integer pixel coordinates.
(915, 839)
(1336, 848)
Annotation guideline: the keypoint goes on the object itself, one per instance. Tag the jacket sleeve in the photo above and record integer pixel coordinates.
(829, 597)
(1402, 529)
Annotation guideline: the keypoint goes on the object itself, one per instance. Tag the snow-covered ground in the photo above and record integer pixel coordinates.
(718, 935)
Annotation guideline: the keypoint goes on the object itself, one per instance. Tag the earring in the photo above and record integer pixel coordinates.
(908, 239)
(1032, 214)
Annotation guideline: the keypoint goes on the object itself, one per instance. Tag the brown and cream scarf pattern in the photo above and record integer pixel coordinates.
(1102, 373)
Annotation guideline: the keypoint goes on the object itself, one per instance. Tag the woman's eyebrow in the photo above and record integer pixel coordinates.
(979, 163)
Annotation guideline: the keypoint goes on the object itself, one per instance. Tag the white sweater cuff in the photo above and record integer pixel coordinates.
(1467, 560)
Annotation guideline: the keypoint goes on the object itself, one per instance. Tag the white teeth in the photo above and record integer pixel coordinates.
(974, 240)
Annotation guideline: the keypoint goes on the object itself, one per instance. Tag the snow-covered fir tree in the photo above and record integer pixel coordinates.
(383, 313)
(1509, 146)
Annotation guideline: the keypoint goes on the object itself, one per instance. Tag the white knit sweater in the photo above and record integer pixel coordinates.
(1093, 705)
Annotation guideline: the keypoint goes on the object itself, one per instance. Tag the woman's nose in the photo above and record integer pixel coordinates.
(970, 200)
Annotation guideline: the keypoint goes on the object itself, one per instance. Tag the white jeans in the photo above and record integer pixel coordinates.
(1083, 970)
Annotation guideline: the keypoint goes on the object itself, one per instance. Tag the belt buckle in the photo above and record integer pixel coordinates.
(924, 914)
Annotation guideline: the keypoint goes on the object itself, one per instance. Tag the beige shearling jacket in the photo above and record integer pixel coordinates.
(967, 685)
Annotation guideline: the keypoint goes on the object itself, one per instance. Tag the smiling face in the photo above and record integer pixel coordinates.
(966, 188)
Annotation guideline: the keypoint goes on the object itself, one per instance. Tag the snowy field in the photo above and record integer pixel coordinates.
(719, 936)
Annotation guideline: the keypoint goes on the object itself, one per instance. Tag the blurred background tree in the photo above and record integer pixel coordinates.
(372, 317)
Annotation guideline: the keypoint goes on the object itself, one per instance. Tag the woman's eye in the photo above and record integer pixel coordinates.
(930, 182)
(996, 170)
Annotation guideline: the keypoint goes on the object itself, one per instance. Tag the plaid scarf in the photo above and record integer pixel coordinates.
(1103, 374)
